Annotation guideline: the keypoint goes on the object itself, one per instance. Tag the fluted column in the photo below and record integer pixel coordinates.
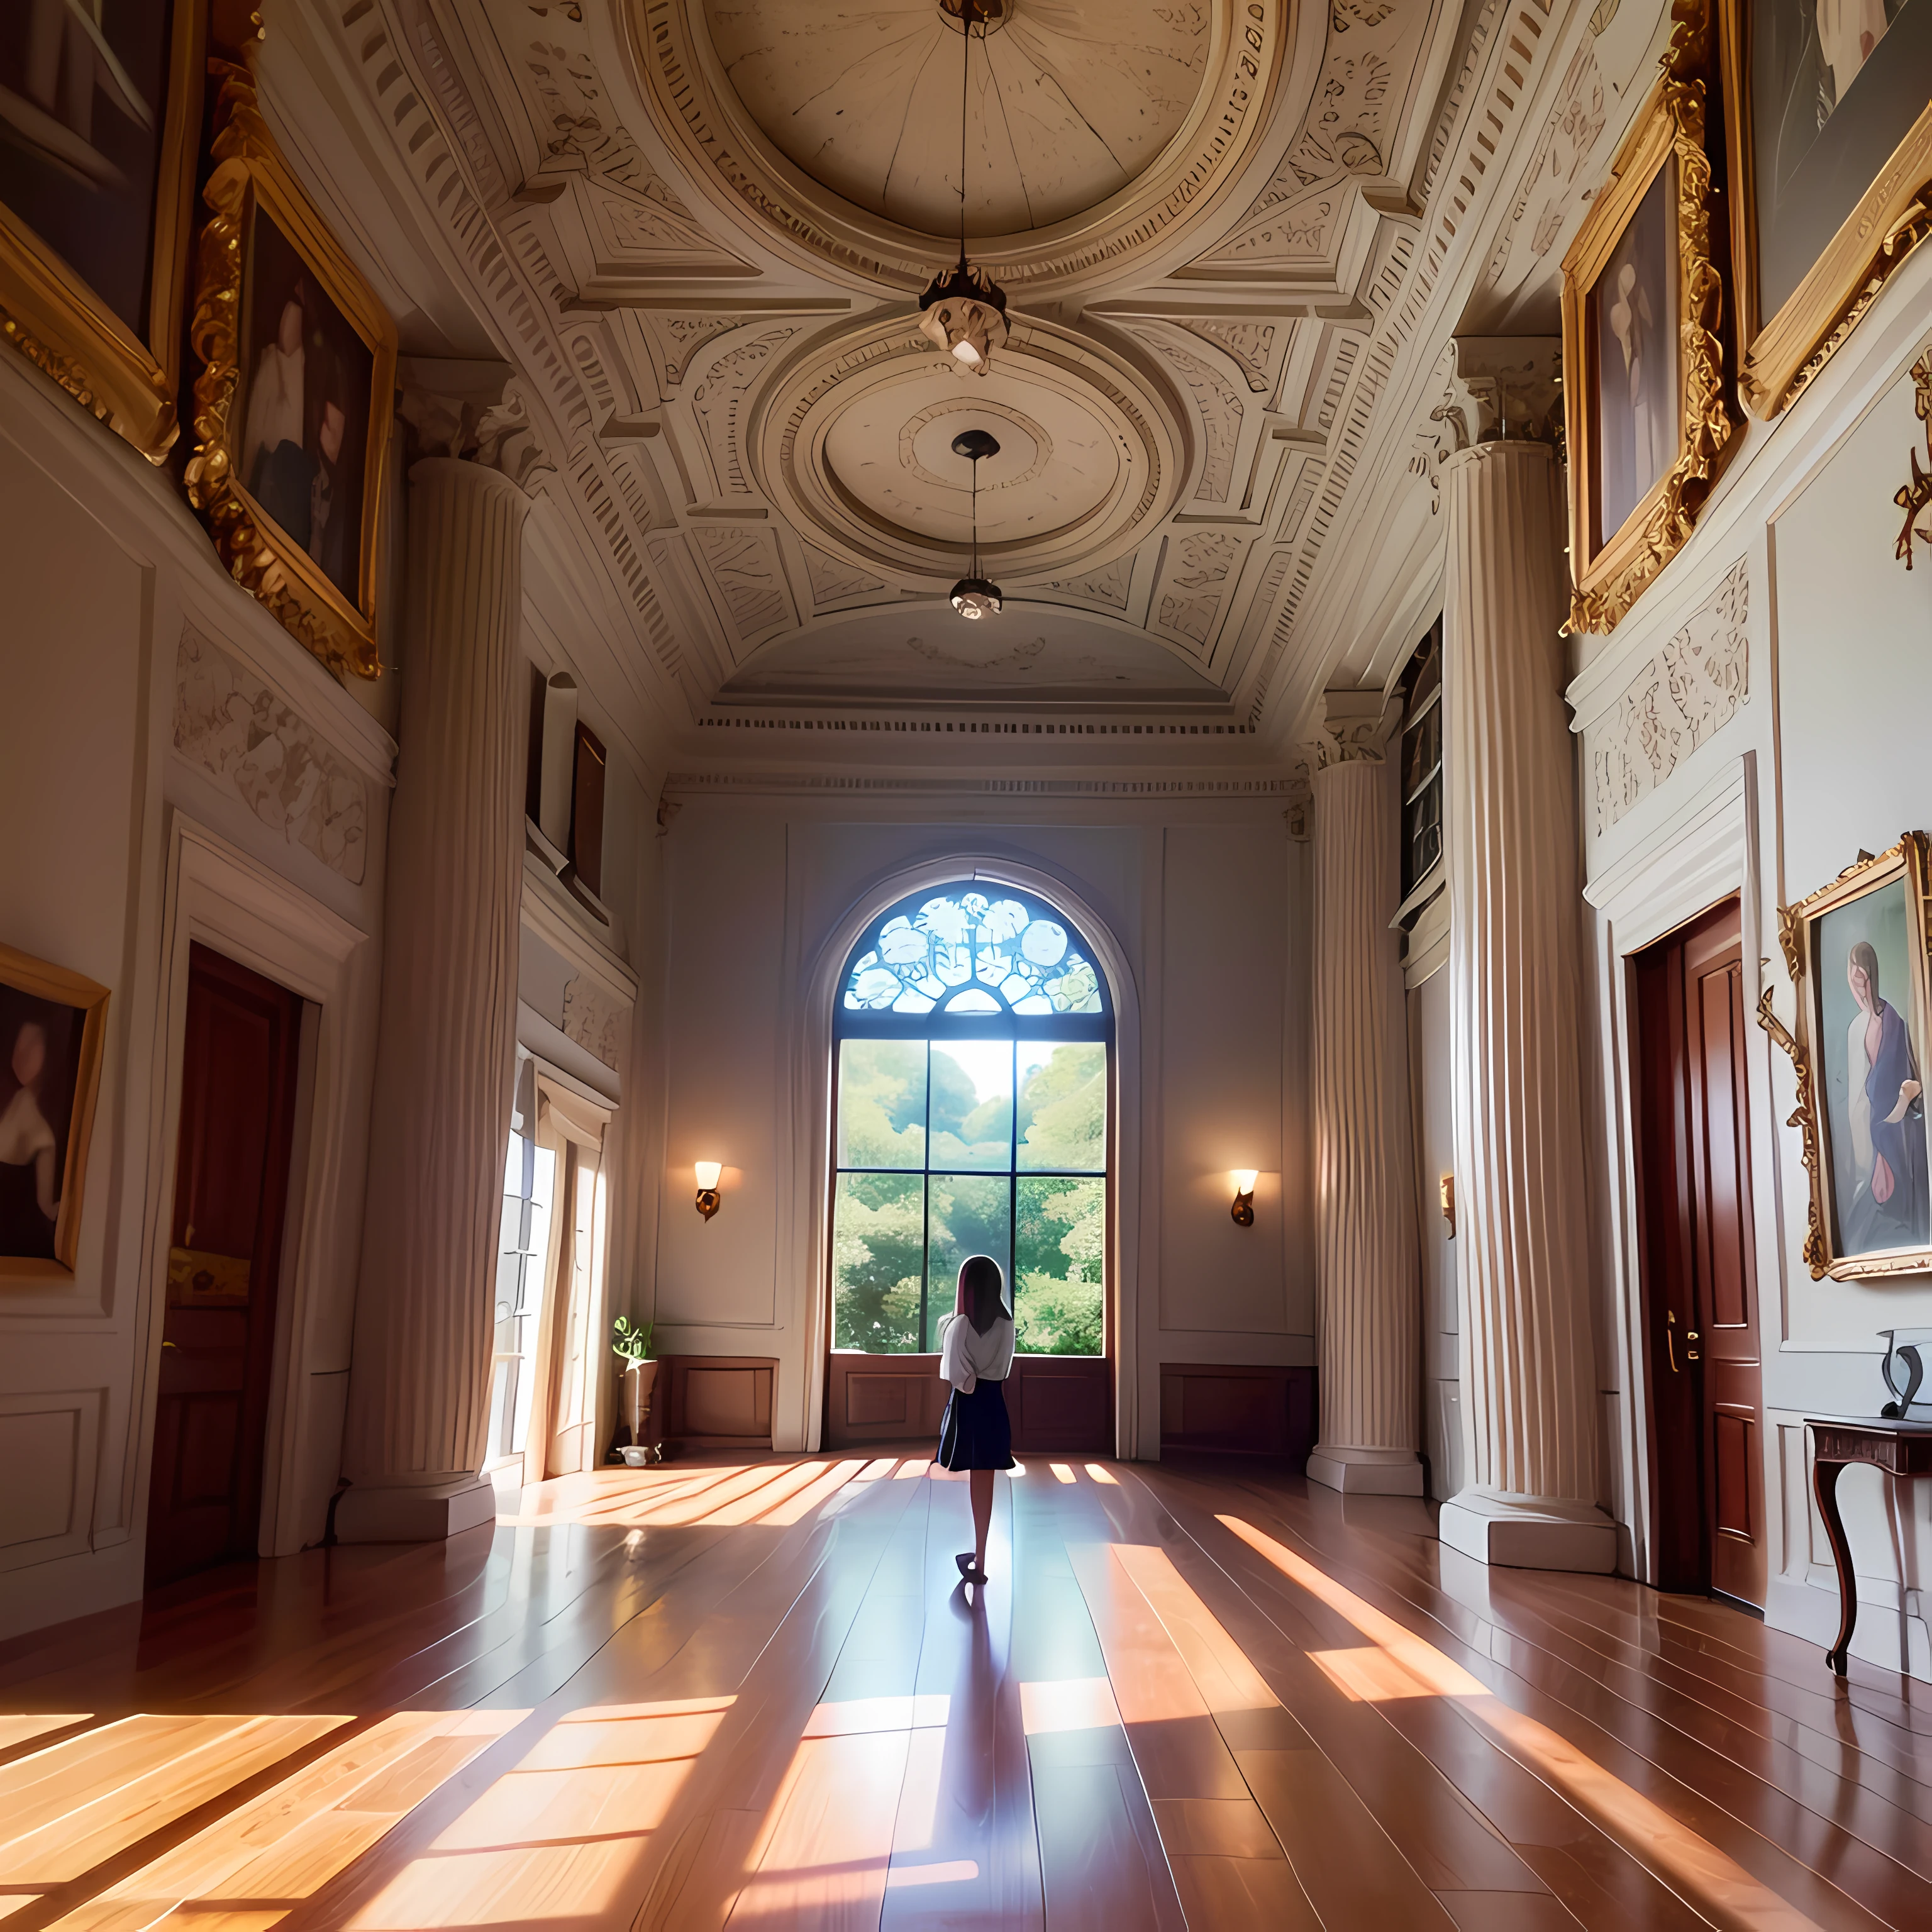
(420, 1380)
(1367, 1273)
(1529, 1400)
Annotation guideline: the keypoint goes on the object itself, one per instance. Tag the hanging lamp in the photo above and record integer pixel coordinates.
(964, 313)
(973, 596)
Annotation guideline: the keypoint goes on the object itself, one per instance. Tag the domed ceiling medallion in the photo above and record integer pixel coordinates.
(1094, 125)
(855, 444)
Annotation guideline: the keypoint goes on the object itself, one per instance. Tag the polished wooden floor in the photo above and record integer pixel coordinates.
(757, 1694)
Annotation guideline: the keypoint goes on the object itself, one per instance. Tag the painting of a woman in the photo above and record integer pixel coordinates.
(1639, 399)
(30, 1148)
(1887, 1111)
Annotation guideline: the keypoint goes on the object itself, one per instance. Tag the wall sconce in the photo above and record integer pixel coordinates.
(1446, 1187)
(1244, 1209)
(709, 1173)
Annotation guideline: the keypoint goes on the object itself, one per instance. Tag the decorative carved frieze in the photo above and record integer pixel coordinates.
(1555, 175)
(718, 402)
(1195, 582)
(1216, 405)
(1681, 696)
(591, 1018)
(1108, 585)
(834, 581)
(228, 722)
(745, 566)
(680, 337)
(1250, 343)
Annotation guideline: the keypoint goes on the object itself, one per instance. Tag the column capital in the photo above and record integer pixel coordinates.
(473, 411)
(1356, 728)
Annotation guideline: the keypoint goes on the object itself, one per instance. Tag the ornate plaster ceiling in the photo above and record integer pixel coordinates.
(838, 121)
(1070, 100)
(852, 439)
(1036, 653)
(1222, 410)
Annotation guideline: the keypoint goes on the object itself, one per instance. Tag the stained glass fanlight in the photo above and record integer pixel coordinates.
(969, 949)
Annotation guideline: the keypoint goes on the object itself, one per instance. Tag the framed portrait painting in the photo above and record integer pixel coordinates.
(1830, 139)
(1857, 950)
(100, 114)
(52, 1023)
(1643, 303)
(295, 396)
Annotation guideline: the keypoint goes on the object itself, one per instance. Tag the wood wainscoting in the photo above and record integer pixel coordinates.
(713, 1402)
(1245, 1410)
(1059, 1404)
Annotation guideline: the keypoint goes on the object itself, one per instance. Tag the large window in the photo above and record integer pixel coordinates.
(972, 1036)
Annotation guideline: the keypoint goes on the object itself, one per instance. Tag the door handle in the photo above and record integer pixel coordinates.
(170, 1344)
(1670, 1339)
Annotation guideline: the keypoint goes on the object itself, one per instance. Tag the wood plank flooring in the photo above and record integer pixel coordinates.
(753, 1693)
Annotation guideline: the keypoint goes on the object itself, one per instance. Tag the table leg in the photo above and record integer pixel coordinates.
(1824, 1484)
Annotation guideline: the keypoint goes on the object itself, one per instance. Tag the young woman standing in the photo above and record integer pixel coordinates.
(976, 1354)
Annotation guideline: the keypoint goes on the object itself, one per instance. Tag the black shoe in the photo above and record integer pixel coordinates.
(967, 1568)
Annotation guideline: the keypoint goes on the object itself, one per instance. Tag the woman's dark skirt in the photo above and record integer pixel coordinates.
(975, 1433)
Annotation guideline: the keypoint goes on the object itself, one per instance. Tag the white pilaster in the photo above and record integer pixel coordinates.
(1367, 1278)
(1529, 1403)
(419, 1388)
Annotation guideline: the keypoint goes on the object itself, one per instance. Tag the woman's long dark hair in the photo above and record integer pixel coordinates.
(985, 1288)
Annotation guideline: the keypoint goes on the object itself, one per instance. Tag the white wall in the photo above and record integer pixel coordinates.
(105, 776)
(1821, 754)
(1207, 905)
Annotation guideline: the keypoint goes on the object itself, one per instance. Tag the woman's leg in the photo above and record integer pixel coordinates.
(982, 1516)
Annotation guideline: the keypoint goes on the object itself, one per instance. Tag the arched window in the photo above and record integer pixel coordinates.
(972, 1037)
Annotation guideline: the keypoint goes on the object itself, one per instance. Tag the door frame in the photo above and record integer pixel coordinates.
(570, 1126)
(1702, 854)
(217, 895)
(809, 1207)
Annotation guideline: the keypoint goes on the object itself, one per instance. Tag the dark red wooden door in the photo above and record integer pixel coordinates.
(238, 1067)
(1700, 1282)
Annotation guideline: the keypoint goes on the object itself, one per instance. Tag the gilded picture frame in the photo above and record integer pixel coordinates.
(125, 371)
(53, 1029)
(1856, 952)
(265, 252)
(1782, 345)
(1646, 420)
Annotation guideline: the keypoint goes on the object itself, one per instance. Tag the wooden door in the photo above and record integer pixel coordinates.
(1707, 1408)
(239, 1067)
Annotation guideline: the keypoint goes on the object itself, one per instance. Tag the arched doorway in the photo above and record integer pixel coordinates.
(973, 1084)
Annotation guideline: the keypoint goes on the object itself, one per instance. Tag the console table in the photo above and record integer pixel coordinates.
(1899, 1449)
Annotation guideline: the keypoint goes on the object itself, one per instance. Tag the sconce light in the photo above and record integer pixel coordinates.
(709, 1173)
(1244, 1209)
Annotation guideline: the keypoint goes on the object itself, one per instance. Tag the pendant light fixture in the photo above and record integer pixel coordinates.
(973, 596)
(964, 313)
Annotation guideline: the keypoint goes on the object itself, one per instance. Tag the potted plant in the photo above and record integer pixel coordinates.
(630, 1343)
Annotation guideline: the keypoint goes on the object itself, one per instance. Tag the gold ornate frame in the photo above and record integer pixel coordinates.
(54, 319)
(1911, 859)
(46, 981)
(247, 172)
(1610, 576)
(1779, 354)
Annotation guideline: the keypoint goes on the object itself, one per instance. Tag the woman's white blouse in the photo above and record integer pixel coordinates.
(967, 1357)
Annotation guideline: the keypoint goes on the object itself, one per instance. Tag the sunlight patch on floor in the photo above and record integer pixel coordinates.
(862, 1784)
(1074, 1704)
(1686, 1861)
(561, 1834)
